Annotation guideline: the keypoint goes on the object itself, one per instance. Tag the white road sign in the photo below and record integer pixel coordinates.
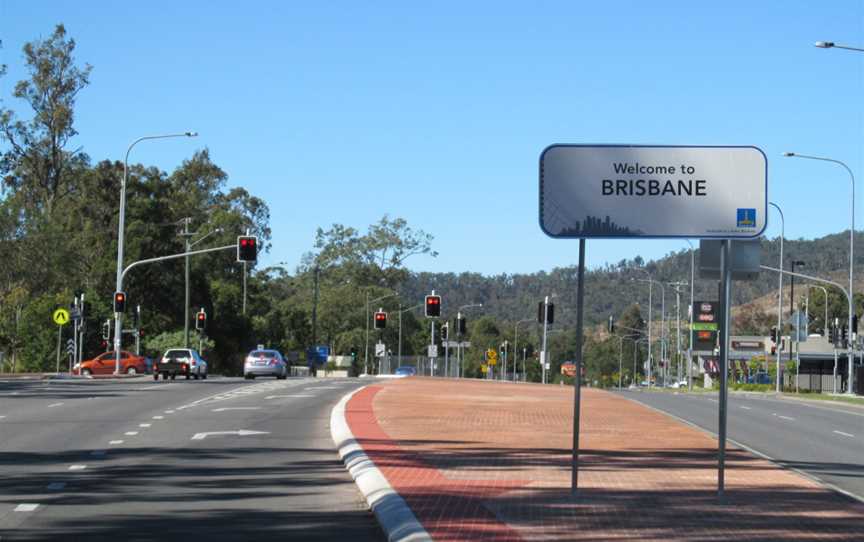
(380, 350)
(612, 191)
(433, 350)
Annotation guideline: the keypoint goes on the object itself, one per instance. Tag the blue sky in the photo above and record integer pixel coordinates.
(341, 112)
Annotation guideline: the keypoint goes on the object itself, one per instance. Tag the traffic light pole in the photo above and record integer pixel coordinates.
(117, 316)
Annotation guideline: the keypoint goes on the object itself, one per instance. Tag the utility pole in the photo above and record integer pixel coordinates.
(314, 306)
(138, 330)
(543, 354)
(187, 235)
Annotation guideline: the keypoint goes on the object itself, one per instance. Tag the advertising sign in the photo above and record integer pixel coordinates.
(705, 325)
(608, 191)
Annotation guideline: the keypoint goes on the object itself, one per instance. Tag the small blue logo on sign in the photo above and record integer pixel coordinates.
(746, 218)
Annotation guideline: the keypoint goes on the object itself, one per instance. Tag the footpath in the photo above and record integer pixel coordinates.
(478, 460)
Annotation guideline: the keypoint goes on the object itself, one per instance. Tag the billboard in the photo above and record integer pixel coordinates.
(609, 191)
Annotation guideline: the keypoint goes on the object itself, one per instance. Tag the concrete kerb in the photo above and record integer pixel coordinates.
(392, 512)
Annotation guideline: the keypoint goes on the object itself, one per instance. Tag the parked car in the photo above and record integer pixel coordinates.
(180, 361)
(406, 370)
(104, 364)
(265, 363)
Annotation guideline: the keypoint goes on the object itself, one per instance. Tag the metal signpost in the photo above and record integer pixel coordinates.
(632, 191)
(61, 318)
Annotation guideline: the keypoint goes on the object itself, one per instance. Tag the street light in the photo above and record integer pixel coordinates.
(366, 354)
(851, 238)
(651, 281)
(188, 235)
(832, 45)
(692, 310)
(779, 292)
(516, 346)
(118, 329)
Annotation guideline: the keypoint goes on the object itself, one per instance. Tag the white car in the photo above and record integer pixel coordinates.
(180, 361)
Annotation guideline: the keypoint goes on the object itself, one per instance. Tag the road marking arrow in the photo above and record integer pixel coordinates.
(223, 409)
(241, 433)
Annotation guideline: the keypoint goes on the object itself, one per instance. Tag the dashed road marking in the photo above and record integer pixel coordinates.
(131, 433)
(845, 434)
(77, 467)
(55, 405)
(115, 442)
(56, 486)
(787, 418)
(169, 412)
(143, 425)
(298, 395)
(26, 507)
(158, 417)
(223, 409)
(746, 407)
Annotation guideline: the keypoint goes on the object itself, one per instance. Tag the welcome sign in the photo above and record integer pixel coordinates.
(607, 191)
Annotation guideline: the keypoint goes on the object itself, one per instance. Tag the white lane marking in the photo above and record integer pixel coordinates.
(77, 467)
(158, 417)
(324, 388)
(26, 507)
(169, 412)
(1, 417)
(143, 425)
(241, 433)
(131, 433)
(845, 434)
(113, 442)
(56, 486)
(223, 409)
(298, 395)
(787, 418)
(746, 408)
(55, 405)
(713, 400)
(98, 453)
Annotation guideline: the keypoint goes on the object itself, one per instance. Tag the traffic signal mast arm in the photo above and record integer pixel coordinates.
(172, 257)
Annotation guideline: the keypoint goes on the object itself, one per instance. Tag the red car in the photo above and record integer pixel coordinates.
(104, 364)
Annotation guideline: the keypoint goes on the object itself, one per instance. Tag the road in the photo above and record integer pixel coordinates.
(825, 441)
(218, 459)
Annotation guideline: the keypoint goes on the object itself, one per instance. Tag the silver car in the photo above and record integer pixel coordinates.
(265, 363)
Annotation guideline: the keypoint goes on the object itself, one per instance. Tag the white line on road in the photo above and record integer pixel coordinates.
(143, 425)
(746, 407)
(56, 486)
(1, 417)
(131, 433)
(169, 412)
(114, 442)
(26, 507)
(298, 395)
(845, 434)
(241, 433)
(77, 467)
(158, 417)
(223, 409)
(55, 405)
(787, 418)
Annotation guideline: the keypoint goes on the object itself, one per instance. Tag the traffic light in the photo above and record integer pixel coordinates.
(247, 248)
(201, 319)
(844, 336)
(854, 323)
(119, 301)
(774, 335)
(106, 330)
(460, 326)
(834, 338)
(444, 331)
(354, 353)
(380, 320)
(550, 313)
(610, 325)
(433, 306)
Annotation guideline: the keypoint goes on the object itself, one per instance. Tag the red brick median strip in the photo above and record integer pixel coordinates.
(490, 461)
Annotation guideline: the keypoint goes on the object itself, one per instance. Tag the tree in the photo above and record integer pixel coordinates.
(38, 162)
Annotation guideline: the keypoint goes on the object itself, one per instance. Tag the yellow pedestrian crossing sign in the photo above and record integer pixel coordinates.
(492, 356)
(483, 369)
(61, 317)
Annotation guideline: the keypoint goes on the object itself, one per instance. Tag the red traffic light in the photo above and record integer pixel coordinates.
(119, 301)
(247, 248)
(433, 306)
(202, 316)
(380, 320)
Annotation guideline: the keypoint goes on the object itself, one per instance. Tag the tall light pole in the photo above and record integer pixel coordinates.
(651, 282)
(121, 227)
(851, 244)
(692, 310)
(368, 301)
(187, 235)
(676, 286)
(516, 345)
(825, 321)
(779, 292)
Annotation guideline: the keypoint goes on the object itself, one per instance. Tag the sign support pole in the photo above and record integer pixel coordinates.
(59, 339)
(577, 381)
(726, 287)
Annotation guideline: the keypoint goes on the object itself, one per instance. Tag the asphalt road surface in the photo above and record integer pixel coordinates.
(219, 459)
(825, 441)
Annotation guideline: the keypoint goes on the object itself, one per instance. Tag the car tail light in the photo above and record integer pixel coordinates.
(272, 362)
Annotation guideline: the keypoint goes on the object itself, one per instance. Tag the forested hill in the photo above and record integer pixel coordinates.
(609, 290)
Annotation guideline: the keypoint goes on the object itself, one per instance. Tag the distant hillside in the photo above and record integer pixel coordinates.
(610, 289)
